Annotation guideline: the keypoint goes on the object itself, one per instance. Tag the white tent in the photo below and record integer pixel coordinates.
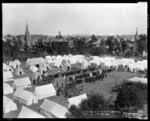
(46, 107)
(72, 60)
(22, 83)
(52, 109)
(12, 64)
(25, 97)
(47, 57)
(138, 79)
(7, 76)
(19, 71)
(76, 100)
(45, 91)
(17, 62)
(65, 64)
(35, 76)
(28, 113)
(8, 105)
(33, 68)
(57, 63)
(59, 111)
(34, 61)
(7, 68)
(7, 89)
(84, 64)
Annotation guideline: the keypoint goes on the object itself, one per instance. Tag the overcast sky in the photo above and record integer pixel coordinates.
(99, 19)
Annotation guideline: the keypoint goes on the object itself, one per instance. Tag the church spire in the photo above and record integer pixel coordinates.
(27, 29)
(136, 33)
(27, 35)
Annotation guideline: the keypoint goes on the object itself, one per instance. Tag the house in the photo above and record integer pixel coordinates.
(8, 105)
(7, 89)
(45, 91)
(22, 83)
(25, 97)
(28, 113)
(52, 109)
(76, 100)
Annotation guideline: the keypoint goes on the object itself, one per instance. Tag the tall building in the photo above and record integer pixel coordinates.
(135, 42)
(27, 36)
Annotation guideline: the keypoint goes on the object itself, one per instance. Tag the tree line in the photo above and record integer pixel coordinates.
(110, 46)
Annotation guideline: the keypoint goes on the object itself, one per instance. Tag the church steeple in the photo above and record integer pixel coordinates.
(27, 29)
(136, 36)
(27, 35)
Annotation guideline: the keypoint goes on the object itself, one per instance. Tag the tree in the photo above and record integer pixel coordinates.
(141, 44)
(110, 43)
(94, 103)
(75, 112)
(131, 95)
(123, 46)
(102, 47)
(93, 38)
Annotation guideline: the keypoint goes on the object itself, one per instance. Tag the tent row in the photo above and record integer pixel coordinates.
(68, 60)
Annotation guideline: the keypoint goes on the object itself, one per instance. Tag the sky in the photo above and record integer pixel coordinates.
(98, 19)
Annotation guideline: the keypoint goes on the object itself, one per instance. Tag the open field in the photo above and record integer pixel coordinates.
(100, 87)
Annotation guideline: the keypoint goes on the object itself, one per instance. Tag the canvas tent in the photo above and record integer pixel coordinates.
(65, 65)
(138, 79)
(45, 91)
(25, 97)
(7, 76)
(12, 64)
(17, 62)
(33, 68)
(52, 109)
(59, 111)
(7, 68)
(28, 113)
(7, 89)
(22, 83)
(19, 71)
(34, 61)
(8, 105)
(76, 100)
(35, 76)
(84, 64)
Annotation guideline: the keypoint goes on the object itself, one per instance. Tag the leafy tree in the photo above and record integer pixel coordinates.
(131, 95)
(141, 44)
(123, 46)
(75, 112)
(93, 38)
(94, 103)
(110, 43)
(102, 47)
